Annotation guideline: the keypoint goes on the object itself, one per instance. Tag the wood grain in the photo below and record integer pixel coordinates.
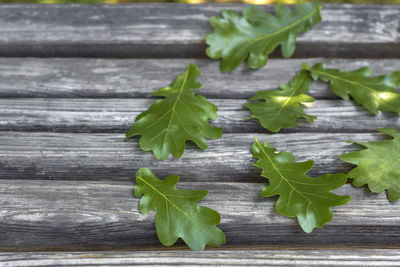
(71, 215)
(67, 176)
(87, 115)
(127, 78)
(174, 30)
(94, 156)
(257, 257)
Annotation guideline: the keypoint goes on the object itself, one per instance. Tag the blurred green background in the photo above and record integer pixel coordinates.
(256, 2)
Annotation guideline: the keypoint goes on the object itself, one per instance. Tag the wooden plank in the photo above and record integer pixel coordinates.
(292, 257)
(79, 215)
(117, 115)
(94, 156)
(91, 78)
(174, 30)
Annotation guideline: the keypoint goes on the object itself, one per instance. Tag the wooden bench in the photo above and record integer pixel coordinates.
(72, 80)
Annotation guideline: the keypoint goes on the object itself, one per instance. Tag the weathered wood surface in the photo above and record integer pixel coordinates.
(133, 78)
(174, 30)
(97, 156)
(293, 257)
(117, 115)
(71, 215)
(67, 176)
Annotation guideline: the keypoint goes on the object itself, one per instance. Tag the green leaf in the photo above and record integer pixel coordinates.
(378, 165)
(308, 199)
(256, 34)
(374, 93)
(181, 116)
(177, 213)
(281, 108)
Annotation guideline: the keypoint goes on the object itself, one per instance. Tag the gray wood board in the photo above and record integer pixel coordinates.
(79, 215)
(86, 156)
(257, 257)
(175, 30)
(93, 78)
(118, 115)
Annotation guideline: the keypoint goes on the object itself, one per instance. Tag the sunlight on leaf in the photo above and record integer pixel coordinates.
(378, 164)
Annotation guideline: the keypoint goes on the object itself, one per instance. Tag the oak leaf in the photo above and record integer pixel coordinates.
(378, 165)
(373, 93)
(177, 213)
(256, 34)
(309, 199)
(179, 117)
(277, 109)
